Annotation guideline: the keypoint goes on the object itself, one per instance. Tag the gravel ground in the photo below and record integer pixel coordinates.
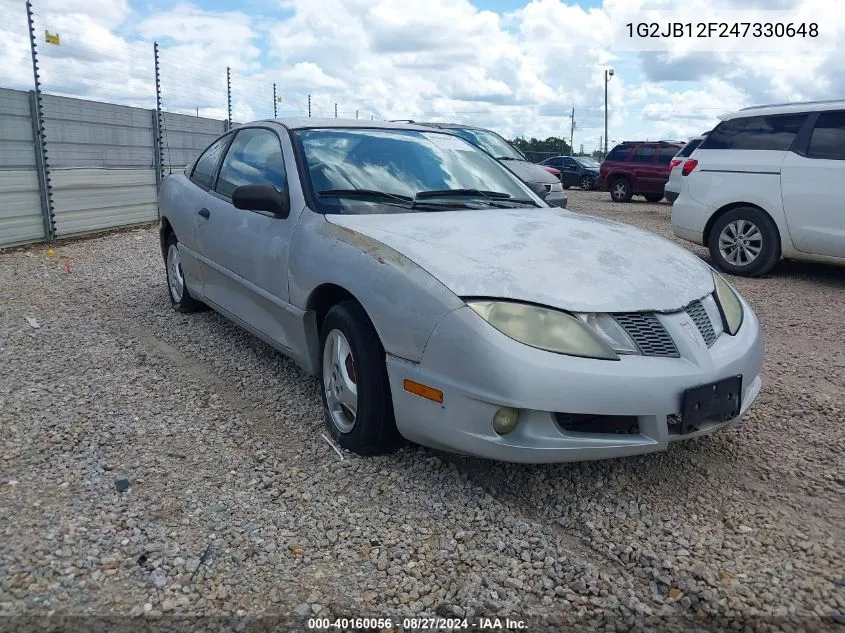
(238, 507)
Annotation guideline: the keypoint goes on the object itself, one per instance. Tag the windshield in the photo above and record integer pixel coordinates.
(490, 142)
(589, 163)
(385, 171)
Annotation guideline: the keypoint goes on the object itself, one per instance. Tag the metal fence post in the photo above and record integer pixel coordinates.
(275, 101)
(229, 95)
(309, 106)
(36, 108)
(158, 149)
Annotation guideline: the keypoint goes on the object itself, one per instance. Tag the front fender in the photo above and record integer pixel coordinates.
(404, 302)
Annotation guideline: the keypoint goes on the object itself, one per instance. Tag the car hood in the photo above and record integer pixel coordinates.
(545, 256)
(529, 172)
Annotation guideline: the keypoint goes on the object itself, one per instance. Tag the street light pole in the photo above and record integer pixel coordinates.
(608, 73)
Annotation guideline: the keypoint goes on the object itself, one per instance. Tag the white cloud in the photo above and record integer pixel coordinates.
(519, 73)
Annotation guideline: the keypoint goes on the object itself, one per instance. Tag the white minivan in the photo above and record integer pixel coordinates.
(763, 186)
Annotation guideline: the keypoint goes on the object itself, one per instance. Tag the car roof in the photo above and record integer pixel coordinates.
(303, 123)
(798, 107)
(630, 143)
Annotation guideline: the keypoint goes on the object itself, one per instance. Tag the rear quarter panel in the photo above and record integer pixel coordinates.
(724, 177)
(403, 301)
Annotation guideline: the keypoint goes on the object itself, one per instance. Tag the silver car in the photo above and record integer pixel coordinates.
(440, 300)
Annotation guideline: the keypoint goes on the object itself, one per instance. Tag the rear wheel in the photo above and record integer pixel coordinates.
(354, 385)
(180, 297)
(745, 241)
(620, 190)
(654, 197)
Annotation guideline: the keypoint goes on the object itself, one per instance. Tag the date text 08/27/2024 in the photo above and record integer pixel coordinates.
(417, 624)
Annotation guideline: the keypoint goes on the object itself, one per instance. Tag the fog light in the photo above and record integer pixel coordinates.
(505, 420)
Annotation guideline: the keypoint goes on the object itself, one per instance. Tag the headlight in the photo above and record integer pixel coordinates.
(556, 186)
(546, 329)
(606, 327)
(729, 304)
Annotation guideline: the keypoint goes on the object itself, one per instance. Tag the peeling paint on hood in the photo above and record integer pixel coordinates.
(545, 256)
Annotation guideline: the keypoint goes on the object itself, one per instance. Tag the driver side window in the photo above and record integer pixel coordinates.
(254, 158)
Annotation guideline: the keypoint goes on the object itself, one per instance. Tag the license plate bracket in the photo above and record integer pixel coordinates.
(716, 401)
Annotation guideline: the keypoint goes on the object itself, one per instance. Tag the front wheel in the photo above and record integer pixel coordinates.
(586, 183)
(744, 241)
(620, 190)
(354, 385)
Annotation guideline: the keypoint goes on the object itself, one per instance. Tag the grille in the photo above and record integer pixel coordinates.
(701, 319)
(648, 333)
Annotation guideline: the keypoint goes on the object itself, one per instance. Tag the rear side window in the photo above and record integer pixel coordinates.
(666, 155)
(619, 152)
(759, 132)
(689, 148)
(828, 139)
(206, 166)
(644, 154)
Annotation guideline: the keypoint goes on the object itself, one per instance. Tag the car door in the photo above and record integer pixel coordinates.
(570, 174)
(202, 174)
(815, 213)
(245, 264)
(646, 171)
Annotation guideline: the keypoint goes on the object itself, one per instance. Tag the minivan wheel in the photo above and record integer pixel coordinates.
(744, 241)
(354, 384)
(620, 190)
(586, 183)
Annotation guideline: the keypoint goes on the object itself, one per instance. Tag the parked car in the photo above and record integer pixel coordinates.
(576, 171)
(438, 299)
(512, 158)
(673, 185)
(554, 172)
(764, 185)
(637, 168)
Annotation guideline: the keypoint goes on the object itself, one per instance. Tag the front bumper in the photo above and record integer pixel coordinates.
(479, 369)
(557, 199)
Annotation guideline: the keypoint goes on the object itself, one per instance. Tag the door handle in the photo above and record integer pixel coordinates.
(205, 213)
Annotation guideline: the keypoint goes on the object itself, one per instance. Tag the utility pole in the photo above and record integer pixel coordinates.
(571, 130)
(608, 73)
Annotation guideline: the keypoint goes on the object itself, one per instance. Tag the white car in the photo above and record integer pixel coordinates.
(673, 186)
(763, 186)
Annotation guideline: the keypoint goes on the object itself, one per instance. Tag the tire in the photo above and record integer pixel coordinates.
(180, 297)
(653, 198)
(566, 186)
(372, 429)
(586, 183)
(761, 236)
(620, 190)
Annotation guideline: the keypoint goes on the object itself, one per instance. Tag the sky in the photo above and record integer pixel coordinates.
(518, 67)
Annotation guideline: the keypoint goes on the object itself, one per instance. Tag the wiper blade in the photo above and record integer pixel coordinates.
(366, 193)
(475, 193)
(508, 158)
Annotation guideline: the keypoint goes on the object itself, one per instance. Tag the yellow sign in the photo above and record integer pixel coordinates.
(52, 39)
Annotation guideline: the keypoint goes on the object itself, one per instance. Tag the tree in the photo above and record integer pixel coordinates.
(536, 149)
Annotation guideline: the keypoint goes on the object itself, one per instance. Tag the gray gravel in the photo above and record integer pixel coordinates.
(237, 506)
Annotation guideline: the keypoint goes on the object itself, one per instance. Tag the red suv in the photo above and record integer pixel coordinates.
(637, 168)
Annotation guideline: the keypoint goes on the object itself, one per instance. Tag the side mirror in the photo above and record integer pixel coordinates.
(539, 188)
(261, 198)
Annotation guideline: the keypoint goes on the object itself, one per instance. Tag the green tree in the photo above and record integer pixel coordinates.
(537, 149)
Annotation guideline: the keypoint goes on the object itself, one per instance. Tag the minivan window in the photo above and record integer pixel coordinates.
(689, 148)
(774, 132)
(828, 139)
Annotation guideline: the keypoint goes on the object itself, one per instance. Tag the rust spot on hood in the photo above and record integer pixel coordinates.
(367, 245)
